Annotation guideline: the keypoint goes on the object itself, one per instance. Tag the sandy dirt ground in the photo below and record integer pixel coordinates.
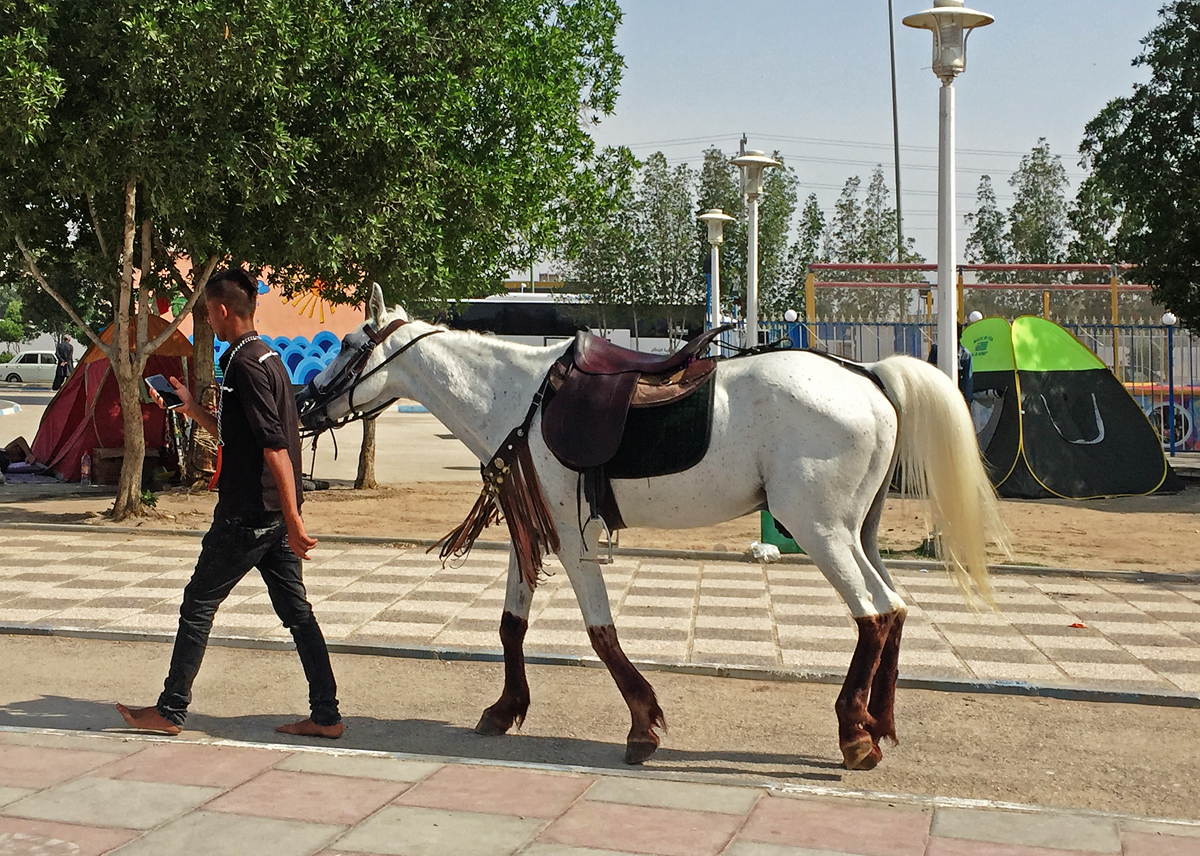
(1156, 533)
(1112, 757)
(432, 481)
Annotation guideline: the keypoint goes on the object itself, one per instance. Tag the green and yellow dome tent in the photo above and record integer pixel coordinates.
(1053, 420)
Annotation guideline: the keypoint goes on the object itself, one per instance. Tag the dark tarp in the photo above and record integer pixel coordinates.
(1052, 420)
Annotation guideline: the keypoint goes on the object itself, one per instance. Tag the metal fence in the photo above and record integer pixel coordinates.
(1138, 355)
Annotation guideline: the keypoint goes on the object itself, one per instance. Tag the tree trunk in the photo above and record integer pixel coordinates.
(203, 363)
(365, 480)
(129, 486)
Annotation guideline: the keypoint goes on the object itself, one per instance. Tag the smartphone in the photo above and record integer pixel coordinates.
(163, 387)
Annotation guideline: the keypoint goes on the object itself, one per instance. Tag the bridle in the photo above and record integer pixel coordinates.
(346, 381)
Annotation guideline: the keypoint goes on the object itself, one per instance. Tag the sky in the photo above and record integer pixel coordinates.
(812, 80)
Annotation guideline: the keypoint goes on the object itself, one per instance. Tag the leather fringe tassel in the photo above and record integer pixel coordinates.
(510, 481)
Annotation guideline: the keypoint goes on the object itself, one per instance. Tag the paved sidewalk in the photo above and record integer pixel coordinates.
(1120, 634)
(70, 793)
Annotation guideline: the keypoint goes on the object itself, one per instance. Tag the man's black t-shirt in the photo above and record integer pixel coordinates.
(257, 412)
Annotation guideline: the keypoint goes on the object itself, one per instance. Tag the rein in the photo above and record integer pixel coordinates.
(348, 379)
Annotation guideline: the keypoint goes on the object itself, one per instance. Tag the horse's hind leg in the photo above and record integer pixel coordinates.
(883, 689)
(510, 709)
(876, 609)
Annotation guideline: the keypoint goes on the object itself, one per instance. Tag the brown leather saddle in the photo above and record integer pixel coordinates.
(596, 383)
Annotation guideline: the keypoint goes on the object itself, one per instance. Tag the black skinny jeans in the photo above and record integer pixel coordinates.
(230, 549)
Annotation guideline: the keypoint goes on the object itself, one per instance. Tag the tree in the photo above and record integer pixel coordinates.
(988, 241)
(779, 280)
(12, 330)
(864, 232)
(1037, 220)
(666, 230)
(604, 257)
(720, 188)
(104, 171)
(1093, 217)
(1145, 151)
(336, 144)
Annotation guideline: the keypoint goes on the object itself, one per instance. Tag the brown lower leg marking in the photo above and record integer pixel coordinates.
(644, 711)
(883, 689)
(860, 751)
(513, 704)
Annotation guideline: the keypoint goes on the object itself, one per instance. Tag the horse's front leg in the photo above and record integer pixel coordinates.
(510, 709)
(592, 594)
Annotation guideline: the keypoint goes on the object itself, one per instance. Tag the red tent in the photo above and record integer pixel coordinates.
(85, 414)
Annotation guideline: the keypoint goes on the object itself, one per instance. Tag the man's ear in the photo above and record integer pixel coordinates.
(375, 305)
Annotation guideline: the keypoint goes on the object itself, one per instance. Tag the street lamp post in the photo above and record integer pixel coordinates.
(950, 23)
(715, 219)
(1169, 321)
(755, 164)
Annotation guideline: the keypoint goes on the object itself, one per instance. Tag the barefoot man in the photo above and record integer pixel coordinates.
(257, 521)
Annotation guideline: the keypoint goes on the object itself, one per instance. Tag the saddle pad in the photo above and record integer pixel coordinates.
(665, 439)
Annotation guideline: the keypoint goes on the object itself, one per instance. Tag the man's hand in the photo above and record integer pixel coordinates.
(189, 408)
(298, 539)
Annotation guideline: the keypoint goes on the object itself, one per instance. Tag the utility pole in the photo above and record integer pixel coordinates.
(896, 140)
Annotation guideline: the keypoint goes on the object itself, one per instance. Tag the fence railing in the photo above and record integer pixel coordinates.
(1137, 354)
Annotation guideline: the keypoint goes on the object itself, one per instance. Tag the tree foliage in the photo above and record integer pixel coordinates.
(865, 232)
(1144, 150)
(720, 188)
(665, 230)
(779, 280)
(1037, 220)
(142, 143)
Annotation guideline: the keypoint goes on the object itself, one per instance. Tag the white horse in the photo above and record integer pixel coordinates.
(814, 440)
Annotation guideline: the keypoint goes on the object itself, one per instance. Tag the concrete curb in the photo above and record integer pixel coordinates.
(1189, 577)
(9, 408)
(712, 670)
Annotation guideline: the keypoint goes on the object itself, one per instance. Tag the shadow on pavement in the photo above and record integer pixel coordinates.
(426, 737)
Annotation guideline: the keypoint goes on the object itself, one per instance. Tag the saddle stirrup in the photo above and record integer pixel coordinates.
(609, 541)
(594, 485)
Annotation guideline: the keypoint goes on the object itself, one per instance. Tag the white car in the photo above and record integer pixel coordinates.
(30, 367)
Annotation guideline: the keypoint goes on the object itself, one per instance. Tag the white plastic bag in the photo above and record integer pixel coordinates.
(765, 553)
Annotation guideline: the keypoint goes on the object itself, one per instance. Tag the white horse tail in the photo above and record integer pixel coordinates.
(940, 460)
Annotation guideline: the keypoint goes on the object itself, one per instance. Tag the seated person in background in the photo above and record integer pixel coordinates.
(17, 452)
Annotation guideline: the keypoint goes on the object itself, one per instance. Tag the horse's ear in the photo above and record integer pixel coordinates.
(398, 311)
(376, 308)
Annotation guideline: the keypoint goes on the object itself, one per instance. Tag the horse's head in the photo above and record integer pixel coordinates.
(357, 383)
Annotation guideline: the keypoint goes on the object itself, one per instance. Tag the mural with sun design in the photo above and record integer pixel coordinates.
(310, 302)
(305, 329)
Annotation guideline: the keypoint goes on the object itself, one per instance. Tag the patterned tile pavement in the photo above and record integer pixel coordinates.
(70, 793)
(1122, 633)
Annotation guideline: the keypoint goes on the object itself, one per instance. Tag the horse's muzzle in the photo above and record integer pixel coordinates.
(314, 417)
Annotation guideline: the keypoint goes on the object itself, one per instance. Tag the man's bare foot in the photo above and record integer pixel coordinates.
(147, 719)
(308, 728)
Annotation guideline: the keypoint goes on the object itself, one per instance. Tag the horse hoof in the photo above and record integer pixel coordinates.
(861, 755)
(637, 751)
(489, 726)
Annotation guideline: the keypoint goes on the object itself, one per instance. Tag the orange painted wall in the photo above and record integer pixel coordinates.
(305, 315)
